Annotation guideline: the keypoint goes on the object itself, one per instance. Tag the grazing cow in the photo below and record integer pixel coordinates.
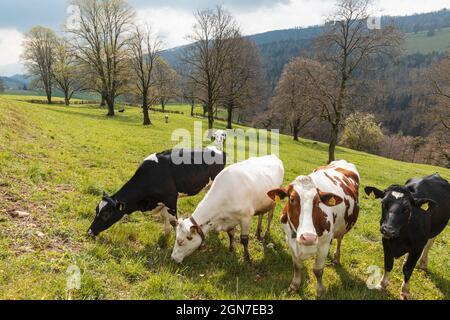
(412, 216)
(219, 137)
(236, 196)
(321, 207)
(157, 185)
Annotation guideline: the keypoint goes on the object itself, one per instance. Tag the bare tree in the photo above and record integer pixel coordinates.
(39, 57)
(144, 52)
(206, 57)
(348, 46)
(296, 92)
(438, 77)
(241, 78)
(188, 92)
(166, 82)
(100, 40)
(65, 71)
(2, 86)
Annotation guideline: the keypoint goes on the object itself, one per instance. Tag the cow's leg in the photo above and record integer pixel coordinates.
(298, 267)
(231, 234)
(424, 257)
(167, 221)
(337, 255)
(245, 231)
(319, 265)
(259, 227)
(388, 265)
(408, 269)
(269, 223)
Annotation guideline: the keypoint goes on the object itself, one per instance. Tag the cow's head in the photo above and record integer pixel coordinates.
(398, 206)
(306, 209)
(108, 212)
(188, 239)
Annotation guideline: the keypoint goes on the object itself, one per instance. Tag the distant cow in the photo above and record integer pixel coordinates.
(237, 195)
(219, 137)
(157, 185)
(412, 216)
(321, 207)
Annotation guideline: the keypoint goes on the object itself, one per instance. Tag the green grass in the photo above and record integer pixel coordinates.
(421, 43)
(54, 163)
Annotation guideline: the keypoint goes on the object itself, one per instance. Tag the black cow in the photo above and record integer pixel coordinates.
(158, 183)
(412, 216)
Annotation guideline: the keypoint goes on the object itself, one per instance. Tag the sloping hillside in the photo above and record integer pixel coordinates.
(55, 162)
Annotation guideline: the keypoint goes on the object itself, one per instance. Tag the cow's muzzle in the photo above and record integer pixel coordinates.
(388, 232)
(91, 234)
(308, 239)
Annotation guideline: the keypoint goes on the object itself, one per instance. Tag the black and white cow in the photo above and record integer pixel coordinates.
(412, 216)
(158, 183)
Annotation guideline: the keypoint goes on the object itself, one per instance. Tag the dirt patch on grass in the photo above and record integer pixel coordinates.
(33, 232)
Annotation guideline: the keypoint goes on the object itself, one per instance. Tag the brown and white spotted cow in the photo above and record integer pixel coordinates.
(322, 206)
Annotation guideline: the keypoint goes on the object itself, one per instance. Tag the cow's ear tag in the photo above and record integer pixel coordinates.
(425, 206)
(332, 201)
(277, 199)
(372, 195)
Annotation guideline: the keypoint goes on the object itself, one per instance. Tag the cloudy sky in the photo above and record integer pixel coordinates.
(173, 19)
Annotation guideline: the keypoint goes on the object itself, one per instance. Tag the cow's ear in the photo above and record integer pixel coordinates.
(105, 195)
(426, 205)
(374, 193)
(278, 194)
(330, 199)
(194, 230)
(120, 206)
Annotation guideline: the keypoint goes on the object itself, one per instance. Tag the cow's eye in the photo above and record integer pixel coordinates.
(190, 238)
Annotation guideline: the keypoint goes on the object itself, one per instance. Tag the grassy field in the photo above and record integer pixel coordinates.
(54, 163)
(421, 43)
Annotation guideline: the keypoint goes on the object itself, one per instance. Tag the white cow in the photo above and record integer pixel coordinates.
(322, 206)
(237, 195)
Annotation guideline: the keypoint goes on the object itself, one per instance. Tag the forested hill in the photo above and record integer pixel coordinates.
(425, 33)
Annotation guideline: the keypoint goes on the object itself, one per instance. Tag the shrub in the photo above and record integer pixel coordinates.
(362, 133)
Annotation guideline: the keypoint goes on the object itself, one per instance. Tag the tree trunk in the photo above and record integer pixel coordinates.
(192, 108)
(210, 118)
(110, 102)
(147, 120)
(333, 143)
(66, 98)
(49, 95)
(163, 105)
(230, 118)
(296, 133)
(103, 102)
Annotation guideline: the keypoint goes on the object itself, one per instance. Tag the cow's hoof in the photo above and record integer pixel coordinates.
(423, 267)
(320, 292)
(293, 288)
(381, 286)
(336, 262)
(405, 295)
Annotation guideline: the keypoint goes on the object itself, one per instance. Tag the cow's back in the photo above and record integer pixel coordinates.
(437, 189)
(340, 178)
(244, 186)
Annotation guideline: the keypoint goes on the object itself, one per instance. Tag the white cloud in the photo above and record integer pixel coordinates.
(10, 51)
(170, 25)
